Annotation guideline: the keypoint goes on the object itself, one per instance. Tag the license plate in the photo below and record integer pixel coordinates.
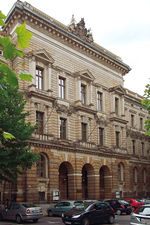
(145, 221)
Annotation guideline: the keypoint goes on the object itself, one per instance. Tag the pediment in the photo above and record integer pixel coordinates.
(118, 90)
(85, 74)
(42, 55)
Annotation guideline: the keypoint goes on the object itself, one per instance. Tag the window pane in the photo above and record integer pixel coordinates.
(99, 101)
(39, 121)
(39, 78)
(101, 136)
(83, 94)
(84, 131)
(62, 128)
(61, 88)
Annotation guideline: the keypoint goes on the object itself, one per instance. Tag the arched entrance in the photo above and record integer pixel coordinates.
(88, 182)
(66, 181)
(105, 183)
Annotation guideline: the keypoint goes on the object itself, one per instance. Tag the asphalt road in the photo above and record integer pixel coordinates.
(120, 220)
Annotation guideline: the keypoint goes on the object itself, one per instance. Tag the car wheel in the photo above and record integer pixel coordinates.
(35, 220)
(18, 219)
(50, 213)
(85, 221)
(111, 219)
(118, 212)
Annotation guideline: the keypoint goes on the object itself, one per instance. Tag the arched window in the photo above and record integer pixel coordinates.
(135, 175)
(42, 166)
(120, 172)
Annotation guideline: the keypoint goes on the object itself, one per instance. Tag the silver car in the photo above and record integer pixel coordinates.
(21, 211)
(141, 215)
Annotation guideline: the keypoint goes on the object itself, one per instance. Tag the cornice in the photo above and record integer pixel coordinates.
(25, 12)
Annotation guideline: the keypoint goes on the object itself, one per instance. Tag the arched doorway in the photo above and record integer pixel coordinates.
(88, 182)
(66, 181)
(105, 183)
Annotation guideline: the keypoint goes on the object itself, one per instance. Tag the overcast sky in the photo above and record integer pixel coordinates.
(122, 27)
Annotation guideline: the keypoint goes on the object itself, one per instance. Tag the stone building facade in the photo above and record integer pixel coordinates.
(90, 136)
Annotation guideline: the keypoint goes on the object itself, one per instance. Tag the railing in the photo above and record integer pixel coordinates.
(42, 137)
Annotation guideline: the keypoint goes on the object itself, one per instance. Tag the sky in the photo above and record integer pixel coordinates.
(120, 26)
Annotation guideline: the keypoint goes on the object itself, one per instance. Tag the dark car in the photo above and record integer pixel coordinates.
(95, 213)
(20, 212)
(120, 206)
(63, 206)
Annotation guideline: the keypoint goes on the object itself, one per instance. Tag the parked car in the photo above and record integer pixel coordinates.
(145, 200)
(120, 206)
(142, 215)
(134, 202)
(20, 212)
(63, 206)
(97, 212)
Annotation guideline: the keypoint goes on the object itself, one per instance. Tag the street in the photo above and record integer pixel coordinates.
(120, 220)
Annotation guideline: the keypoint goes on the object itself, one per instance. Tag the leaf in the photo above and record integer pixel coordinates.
(23, 36)
(24, 76)
(7, 135)
(9, 50)
(8, 75)
(2, 17)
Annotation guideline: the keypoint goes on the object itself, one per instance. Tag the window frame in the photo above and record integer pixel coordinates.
(63, 128)
(84, 131)
(99, 101)
(83, 93)
(39, 78)
(101, 136)
(62, 87)
(40, 122)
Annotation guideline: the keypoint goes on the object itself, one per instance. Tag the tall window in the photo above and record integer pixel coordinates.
(141, 123)
(135, 175)
(99, 101)
(143, 147)
(41, 166)
(117, 139)
(39, 78)
(133, 147)
(144, 175)
(63, 128)
(39, 121)
(61, 87)
(116, 106)
(84, 131)
(101, 136)
(132, 120)
(83, 94)
(120, 172)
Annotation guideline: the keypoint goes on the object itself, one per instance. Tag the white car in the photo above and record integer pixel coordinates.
(141, 215)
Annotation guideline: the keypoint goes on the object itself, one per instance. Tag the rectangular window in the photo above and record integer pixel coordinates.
(84, 131)
(117, 139)
(116, 106)
(142, 145)
(133, 147)
(141, 123)
(61, 87)
(63, 128)
(101, 136)
(99, 101)
(39, 121)
(132, 120)
(83, 94)
(39, 78)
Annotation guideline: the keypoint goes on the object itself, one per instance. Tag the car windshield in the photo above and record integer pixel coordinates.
(144, 210)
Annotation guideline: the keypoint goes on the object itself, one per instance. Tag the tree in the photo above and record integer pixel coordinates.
(146, 104)
(15, 132)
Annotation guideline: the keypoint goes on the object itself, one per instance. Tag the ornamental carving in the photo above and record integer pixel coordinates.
(80, 30)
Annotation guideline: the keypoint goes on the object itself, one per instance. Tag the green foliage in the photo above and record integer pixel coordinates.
(15, 153)
(146, 104)
(23, 36)
(2, 18)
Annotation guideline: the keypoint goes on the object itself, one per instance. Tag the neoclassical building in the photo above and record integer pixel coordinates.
(90, 137)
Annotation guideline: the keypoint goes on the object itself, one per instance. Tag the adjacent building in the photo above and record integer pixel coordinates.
(90, 136)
